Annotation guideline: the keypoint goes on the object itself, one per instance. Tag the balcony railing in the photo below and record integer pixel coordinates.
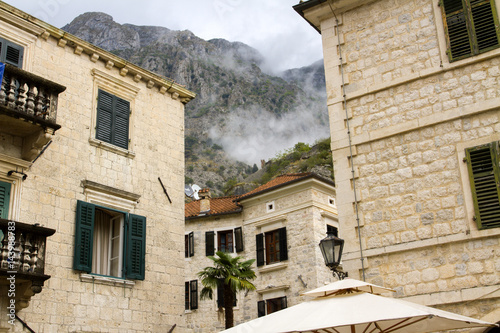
(28, 109)
(22, 252)
(28, 96)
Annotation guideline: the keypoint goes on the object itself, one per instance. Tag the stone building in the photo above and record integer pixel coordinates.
(280, 224)
(90, 240)
(414, 109)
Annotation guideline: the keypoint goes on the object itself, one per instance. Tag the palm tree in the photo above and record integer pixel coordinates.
(230, 274)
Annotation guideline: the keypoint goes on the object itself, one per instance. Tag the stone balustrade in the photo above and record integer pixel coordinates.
(26, 95)
(23, 251)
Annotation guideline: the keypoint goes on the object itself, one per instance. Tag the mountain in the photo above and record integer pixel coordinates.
(241, 114)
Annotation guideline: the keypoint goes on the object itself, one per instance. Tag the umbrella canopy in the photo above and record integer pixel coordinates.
(355, 313)
(346, 285)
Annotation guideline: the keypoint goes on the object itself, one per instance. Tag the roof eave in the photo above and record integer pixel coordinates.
(312, 175)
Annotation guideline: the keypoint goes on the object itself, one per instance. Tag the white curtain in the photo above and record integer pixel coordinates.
(100, 251)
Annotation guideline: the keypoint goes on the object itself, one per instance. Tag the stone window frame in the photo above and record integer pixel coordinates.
(15, 179)
(106, 196)
(466, 186)
(270, 206)
(123, 90)
(442, 40)
(272, 293)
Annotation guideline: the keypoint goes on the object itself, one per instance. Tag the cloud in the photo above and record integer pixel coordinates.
(250, 135)
(273, 27)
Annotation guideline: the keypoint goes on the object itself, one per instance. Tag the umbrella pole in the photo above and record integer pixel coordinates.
(353, 329)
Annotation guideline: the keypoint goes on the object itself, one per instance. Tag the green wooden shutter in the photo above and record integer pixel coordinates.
(261, 308)
(186, 296)
(84, 235)
(194, 294)
(260, 249)
(483, 19)
(135, 252)
(191, 244)
(11, 53)
(283, 245)
(484, 175)
(4, 199)
(283, 303)
(104, 123)
(238, 239)
(121, 122)
(112, 123)
(209, 243)
(471, 27)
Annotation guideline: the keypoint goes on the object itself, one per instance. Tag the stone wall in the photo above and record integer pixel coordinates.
(69, 302)
(411, 115)
(304, 210)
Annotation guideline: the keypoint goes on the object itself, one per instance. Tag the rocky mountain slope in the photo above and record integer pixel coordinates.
(241, 114)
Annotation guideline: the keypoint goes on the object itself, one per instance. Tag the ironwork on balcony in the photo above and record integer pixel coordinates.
(28, 108)
(22, 256)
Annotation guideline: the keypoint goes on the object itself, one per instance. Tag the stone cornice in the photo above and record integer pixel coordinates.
(42, 29)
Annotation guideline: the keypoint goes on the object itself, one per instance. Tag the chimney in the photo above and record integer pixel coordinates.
(204, 200)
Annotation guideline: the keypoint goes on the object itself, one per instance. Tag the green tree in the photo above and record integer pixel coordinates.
(230, 274)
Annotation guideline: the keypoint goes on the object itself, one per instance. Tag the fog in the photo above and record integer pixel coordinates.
(252, 135)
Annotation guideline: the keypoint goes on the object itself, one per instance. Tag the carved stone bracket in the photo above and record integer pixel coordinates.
(33, 144)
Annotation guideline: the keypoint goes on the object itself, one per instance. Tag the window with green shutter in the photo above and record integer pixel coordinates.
(471, 27)
(228, 241)
(484, 175)
(269, 306)
(271, 247)
(11, 53)
(112, 123)
(4, 199)
(109, 242)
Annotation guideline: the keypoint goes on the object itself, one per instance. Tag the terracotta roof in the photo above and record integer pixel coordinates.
(283, 180)
(229, 205)
(218, 206)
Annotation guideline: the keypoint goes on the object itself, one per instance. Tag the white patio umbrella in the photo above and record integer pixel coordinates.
(351, 311)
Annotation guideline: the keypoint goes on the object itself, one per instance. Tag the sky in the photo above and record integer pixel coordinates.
(281, 35)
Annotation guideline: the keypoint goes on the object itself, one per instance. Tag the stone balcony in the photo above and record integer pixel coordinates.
(28, 109)
(22, 261)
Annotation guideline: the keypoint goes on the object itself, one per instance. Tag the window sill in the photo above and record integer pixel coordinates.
(273, 267)
(106, 280)
(112, 148)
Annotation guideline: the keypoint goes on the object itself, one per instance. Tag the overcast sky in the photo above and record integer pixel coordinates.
(284, 38)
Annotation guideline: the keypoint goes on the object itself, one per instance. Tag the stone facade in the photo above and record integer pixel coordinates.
(411, 114)
(76, 166)
(304, 206)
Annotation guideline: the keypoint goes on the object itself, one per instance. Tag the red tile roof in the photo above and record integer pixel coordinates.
(228, 205)
(277, 182)
(218, 206)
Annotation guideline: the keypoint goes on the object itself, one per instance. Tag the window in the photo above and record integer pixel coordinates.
(270, 207)
(227, 241)
(470, 27)
(333, 230)
(191, 295)
(4, 199)
(112, 124)
(484, 175)
(109, 242)
(271, 305)
(271, 247)
(189, 245)
(11, 53)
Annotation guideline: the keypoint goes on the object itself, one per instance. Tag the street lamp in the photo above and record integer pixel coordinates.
(331, 248)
